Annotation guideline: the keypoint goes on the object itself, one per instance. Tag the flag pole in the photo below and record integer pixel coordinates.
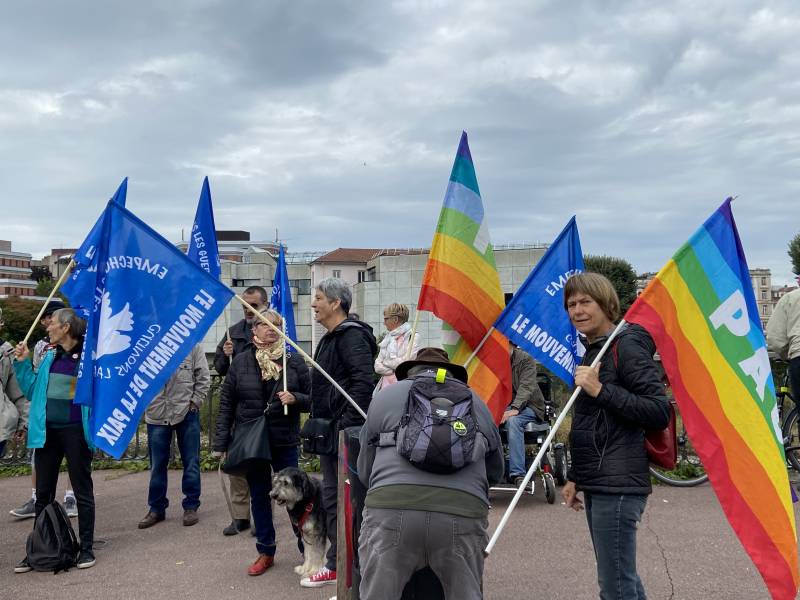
(479, 346)
(302, 353)
(546, 445)
(227, 331)
(285, 384)
(413, 333)
(61, 279)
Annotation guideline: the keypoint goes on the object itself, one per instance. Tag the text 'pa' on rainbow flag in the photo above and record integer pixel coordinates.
(461, 285)
(702, 314)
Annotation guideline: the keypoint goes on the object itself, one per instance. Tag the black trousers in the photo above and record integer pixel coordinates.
(60, 442)
(794, 377)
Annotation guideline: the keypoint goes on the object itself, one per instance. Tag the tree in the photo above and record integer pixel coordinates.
(621, 274)
(40, 273)
(794, 253)
(18, 314)
(44, 287)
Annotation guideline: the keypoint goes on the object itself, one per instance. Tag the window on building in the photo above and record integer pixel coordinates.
(765, 309)
(763, 294)
(763, 281)
(362, 276)
(337, 274)
(372, 274)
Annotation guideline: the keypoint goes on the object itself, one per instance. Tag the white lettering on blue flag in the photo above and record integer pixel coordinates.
(152, 305)
(535, 319)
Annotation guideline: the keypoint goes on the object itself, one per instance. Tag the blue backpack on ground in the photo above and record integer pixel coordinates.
(437, 432)
(52, 545)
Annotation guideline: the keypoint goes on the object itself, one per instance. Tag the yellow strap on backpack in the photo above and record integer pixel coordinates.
(440, 375)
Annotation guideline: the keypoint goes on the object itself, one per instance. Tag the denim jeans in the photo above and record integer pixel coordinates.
(613, 520)
(159, 439)
(515, 430)
(260, 483)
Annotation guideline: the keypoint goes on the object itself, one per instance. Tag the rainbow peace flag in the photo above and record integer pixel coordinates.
(702, 314)
(461, 286)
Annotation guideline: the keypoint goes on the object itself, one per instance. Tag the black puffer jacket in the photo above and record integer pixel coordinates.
(347, 354)
(244, 397)
(241, 337)
(607, 436)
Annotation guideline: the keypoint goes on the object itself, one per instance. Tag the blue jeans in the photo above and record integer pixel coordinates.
(260, 483)
(515, 430)
(159, 438)
(613, 520)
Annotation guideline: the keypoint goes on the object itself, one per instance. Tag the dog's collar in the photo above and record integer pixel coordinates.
(304, 516)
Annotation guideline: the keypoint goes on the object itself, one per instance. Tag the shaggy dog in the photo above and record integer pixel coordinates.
(302, 497)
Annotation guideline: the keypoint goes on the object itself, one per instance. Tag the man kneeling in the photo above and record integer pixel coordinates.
(429, 451)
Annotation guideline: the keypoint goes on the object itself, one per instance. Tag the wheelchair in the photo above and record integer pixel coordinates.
(553, 466)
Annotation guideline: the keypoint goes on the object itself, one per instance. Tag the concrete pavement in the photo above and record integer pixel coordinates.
(686, 550)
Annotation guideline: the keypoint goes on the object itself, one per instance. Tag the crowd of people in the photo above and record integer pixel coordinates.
(421, 510)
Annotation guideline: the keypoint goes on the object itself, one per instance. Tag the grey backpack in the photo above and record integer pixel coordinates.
(437, 432)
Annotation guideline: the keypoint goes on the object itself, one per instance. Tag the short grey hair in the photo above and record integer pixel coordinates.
(336, 289)
(67, 316)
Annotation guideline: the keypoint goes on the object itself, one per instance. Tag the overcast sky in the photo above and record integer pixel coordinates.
(337, 122)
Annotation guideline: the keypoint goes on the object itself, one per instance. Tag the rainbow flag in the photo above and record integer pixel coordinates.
(461, 286)
(702, 314)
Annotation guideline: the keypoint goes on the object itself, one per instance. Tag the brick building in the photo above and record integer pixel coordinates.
(15, 273)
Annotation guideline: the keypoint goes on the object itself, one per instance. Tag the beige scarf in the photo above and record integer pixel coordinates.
(266, 355)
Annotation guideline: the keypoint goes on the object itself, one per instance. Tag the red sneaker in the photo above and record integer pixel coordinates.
(322, 577)
(263, 562)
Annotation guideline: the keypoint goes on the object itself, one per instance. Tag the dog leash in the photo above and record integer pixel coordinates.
(225, 491)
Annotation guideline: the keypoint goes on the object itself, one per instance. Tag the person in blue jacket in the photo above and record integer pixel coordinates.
(57, 427)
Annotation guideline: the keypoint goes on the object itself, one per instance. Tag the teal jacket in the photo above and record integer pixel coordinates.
(34, 386)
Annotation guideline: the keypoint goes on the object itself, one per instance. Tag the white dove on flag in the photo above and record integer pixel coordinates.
(109, 338)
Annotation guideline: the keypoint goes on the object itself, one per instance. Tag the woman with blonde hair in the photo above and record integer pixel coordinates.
(393, 348)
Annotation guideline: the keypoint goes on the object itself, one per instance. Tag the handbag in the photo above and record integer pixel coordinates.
(249, 447)
(321, 435)
(661, 445)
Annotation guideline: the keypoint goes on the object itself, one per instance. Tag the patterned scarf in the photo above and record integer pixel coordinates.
(266, 355)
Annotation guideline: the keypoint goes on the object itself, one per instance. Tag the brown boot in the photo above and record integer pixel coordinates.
(190, 517)
(150, 519)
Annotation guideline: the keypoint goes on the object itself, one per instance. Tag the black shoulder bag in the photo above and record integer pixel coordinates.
(249, 447)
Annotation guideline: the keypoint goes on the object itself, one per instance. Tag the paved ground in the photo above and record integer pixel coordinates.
(686, 550)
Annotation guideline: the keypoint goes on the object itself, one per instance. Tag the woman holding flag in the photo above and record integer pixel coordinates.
(621, 398)
(254, 386)
(57, 427)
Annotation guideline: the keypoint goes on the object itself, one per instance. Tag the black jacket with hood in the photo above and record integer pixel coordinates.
(607, 435)
(244, 396)
(347, 354)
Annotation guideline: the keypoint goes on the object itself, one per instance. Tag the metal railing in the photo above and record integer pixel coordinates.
(18, 454)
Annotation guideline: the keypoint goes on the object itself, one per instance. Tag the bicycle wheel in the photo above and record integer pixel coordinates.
(791, 438)
(688, 471)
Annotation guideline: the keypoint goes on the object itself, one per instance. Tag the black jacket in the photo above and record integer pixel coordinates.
(347, 354)
(607, 436)
(244, 397)
(241, 337)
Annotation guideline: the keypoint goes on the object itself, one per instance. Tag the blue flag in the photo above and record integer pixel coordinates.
(281, 300)
(79, 286)
(535, 319)
(152, 306)
(202, 248)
